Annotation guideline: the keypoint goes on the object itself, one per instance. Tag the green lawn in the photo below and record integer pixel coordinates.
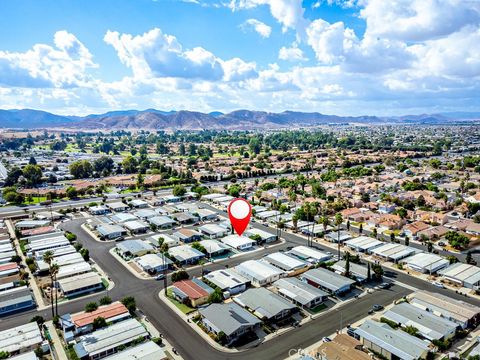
(317, 308)
(35, 200)
(182, 307)
(395, 232)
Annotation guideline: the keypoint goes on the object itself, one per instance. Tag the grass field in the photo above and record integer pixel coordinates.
(34, 200)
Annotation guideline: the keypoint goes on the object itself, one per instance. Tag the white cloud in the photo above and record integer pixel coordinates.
(261, 28)
(155, 54)
(293, 53)
(289, 13)
(64, 65)
(418, 20)
(327, 40)
(237, 70)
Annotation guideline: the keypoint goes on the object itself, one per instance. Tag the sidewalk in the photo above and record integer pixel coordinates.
(33, 284)
(57, 343)
(128, 267)
(167, 347)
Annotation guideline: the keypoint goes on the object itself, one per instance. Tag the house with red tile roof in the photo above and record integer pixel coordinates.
(82, 322)
(8, 269)
(194, 292)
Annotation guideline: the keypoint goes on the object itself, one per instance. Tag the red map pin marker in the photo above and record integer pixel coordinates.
(239, 211)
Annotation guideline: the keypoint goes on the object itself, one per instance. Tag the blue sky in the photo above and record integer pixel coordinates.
(347, 57)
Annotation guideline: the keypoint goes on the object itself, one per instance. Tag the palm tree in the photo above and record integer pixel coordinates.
(48, 258)
(295, 221)
(338, 222)
(53, 274)
(314, 209)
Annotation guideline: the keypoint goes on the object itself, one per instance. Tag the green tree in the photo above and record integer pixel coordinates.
(105, 300)
(216, 296)
(179, 190)
(32, 174)
(81, 169)
(99, 322)
(104, 165)
(377, 271)
(255, 145)
(91, 307)
(129, 165)
(38, 319)
(130, 304)
(457, 240)
(180, 275)
(412, 330)
(234, 191)
(71, 192)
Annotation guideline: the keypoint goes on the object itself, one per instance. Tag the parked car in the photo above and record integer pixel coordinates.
(351, 332)
(326, 339)
(438, 284)
(385, 285)
(377, 307)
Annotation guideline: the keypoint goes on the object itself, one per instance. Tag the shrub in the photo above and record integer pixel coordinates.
(91, 306)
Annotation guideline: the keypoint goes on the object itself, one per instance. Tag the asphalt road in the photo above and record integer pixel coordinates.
(191, 345)
(188, 343)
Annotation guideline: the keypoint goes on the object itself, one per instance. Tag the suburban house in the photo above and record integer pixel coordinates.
(299, 292)
(110, 232)
(129, 248)
(108, 340)
(265, 304)
(153, 263)
(411, 230)
(464, 314)
(310, 255)
(185, 254)
(213, 231)
(390, 343)
(187, 235)
(430, 326)
(290, 264)
(258, 272)
(82, 322)
(194, 292)
(229, 319)
(327, 280)
(214, 247)
(228, 280)
(238, 242)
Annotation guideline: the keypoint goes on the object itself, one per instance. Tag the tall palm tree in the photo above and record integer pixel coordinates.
(314, 209)
(48, 258)
(338, 222)
(53, 275)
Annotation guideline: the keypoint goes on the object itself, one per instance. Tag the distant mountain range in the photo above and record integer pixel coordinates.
(152, 119)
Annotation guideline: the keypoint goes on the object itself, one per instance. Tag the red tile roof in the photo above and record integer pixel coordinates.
(192, 290)
(105, 312)
(8, 266)
(38, 231)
